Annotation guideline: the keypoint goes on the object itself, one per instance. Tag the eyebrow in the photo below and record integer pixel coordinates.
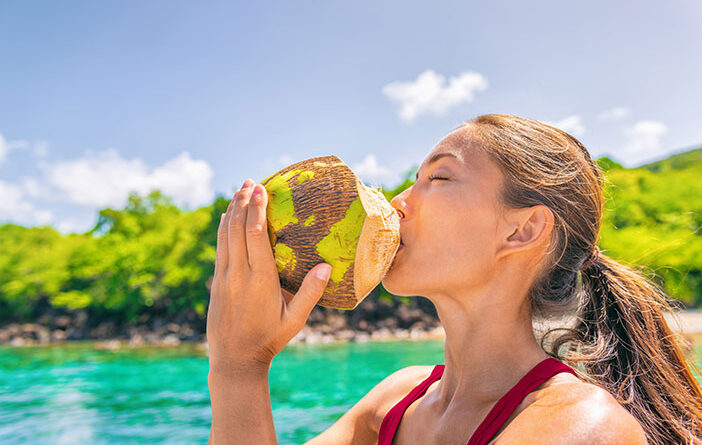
(435, 157)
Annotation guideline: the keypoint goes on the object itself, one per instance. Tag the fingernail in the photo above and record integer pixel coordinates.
(247, 184)
(323, 272)
(256, 190)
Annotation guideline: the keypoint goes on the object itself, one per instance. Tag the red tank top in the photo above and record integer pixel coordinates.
(497, 415)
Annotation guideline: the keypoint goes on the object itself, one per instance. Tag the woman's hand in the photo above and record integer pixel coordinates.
(250, 318)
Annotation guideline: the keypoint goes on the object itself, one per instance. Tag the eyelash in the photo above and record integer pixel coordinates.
(431, 178)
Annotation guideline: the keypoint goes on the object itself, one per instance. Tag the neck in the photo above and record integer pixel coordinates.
(486, 351)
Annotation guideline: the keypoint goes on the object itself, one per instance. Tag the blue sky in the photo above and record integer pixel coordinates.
(100, 98)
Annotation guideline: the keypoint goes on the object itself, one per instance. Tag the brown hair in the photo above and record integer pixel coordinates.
(621, 341)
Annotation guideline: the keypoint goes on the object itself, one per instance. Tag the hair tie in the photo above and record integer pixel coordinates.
(594, 256)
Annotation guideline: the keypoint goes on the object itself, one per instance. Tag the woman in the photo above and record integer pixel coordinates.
(503, 225)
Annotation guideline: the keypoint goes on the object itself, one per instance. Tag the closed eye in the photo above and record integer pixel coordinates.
(431, 178)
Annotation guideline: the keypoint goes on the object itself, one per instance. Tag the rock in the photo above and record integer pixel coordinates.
(438, 332)
(389, 323)
(419, 325)
(29, 328)
(361, 337)
(13, 329)
(345, 334)
(43, 335)
(170, 340)
(186, 332)
(417, 334)
(18, 341)
(152, 337)
(313, 338)
(401, 333)
(104, 330)
(136, 340)
(316, 316)
(381, 334)
(62, 321)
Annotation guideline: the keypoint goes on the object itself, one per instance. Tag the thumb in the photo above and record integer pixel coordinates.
(310, 292)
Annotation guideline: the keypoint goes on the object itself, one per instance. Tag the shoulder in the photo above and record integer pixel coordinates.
(393, 388)
(361, 423)
(574, 412)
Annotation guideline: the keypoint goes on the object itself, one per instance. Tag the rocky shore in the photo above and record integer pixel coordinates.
(372, 320)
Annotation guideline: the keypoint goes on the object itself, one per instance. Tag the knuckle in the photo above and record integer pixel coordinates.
(237, 223)
(258, 274)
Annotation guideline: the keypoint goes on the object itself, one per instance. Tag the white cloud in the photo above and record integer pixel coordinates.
(643, 142)
(105, 179)
(71, 225)
(571, 124)
(614, 113)
(32, 187)
(14, 207)
(369, 168)
(430, 93)
(39, 148)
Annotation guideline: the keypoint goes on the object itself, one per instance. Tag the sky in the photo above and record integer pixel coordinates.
(98, 99)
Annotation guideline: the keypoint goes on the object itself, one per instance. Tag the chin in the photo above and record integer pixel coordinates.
(394, 288)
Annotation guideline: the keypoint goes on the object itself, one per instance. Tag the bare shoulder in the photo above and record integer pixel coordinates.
(573, 412)
(361, 424)
(392, 389)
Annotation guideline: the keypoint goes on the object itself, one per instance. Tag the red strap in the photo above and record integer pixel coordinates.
(392, 419)
(497, 416)
(504, 407)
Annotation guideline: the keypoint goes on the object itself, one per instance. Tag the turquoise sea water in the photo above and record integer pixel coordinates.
(75, 394)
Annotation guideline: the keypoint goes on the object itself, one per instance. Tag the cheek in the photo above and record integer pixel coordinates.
(453, 250)
(464, 240)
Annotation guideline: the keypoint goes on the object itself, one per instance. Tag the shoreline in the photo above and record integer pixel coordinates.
(308, 335)
(688, 323)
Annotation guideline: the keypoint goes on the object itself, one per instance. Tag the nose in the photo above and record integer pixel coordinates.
(398, 202)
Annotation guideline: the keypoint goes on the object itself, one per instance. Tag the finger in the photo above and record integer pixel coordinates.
(238, 257)
(257, 242)
(222, 256)
(307, 296)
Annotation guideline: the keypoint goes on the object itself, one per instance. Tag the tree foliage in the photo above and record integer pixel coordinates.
(152, 258)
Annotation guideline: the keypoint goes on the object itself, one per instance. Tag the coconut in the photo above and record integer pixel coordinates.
(319, 211)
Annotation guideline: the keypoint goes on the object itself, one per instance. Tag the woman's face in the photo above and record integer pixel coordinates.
(449, 227)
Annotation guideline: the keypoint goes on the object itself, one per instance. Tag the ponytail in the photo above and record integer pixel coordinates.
(621, 341)
(624, 345)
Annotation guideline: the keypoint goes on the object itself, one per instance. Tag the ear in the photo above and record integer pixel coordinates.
(526, 228)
